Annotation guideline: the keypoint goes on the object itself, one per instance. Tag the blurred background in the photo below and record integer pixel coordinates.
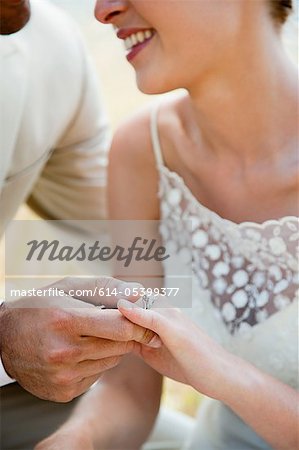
(121, 98)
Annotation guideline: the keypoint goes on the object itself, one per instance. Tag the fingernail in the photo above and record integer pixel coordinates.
(125, 304)
(155, 342)
(131, 289)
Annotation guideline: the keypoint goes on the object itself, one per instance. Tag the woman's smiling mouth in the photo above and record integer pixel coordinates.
(135, 39)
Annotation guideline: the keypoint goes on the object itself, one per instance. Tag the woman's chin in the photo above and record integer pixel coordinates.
(152, 86)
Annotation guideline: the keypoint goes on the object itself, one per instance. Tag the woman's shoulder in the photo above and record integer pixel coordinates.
(133, 177)
(133, 142)
(134, 133)
(133, 171)
(132, 138)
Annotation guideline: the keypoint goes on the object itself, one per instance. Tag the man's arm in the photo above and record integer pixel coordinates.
(76, 171)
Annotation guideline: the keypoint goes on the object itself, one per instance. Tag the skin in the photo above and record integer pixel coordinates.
(71, 342)
(240, 152)
(233, 140)
(117, 413)
(257, 398)
(14, 15)
(169, 44)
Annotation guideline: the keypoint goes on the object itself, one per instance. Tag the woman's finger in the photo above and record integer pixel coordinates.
(146, 318)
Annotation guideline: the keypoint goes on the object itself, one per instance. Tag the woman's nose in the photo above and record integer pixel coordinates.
(107, 10)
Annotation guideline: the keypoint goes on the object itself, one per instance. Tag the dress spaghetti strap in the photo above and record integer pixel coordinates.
(155, 136)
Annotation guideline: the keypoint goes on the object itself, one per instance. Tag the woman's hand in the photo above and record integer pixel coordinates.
(187, 355)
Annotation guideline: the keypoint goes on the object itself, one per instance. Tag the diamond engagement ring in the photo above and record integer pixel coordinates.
(148, 301)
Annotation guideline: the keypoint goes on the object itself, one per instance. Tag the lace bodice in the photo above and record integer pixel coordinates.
(249, 269)
(245, 276)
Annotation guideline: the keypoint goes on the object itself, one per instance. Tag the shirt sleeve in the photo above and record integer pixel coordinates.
(72, 185)
(4, 378)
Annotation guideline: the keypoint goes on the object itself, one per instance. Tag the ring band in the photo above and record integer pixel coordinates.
(148, 301)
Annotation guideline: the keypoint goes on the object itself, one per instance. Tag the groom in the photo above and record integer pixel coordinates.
(53, 154)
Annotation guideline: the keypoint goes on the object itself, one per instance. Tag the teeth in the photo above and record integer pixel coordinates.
(137, 38)
(141, 36)
(128, 43)
(134, 39)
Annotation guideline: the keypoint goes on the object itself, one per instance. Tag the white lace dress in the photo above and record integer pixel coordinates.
(245, 295)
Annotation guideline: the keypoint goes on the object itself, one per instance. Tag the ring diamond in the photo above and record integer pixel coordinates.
(148, 301)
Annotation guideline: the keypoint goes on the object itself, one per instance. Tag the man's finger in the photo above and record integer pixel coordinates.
(97, 348)
(111, 324)
(86, 383)
(105, 291)
(92, 368)
(147, 337)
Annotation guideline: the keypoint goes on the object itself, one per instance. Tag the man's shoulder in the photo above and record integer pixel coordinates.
(50, 23)
(47, 11)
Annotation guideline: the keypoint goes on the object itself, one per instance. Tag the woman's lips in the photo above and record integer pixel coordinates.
(135, 39)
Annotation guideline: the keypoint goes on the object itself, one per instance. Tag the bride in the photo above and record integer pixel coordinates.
(224, 156)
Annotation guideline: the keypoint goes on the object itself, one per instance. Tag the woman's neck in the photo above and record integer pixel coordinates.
(249, 108)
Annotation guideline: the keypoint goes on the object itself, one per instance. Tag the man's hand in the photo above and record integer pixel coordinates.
(57, 347)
